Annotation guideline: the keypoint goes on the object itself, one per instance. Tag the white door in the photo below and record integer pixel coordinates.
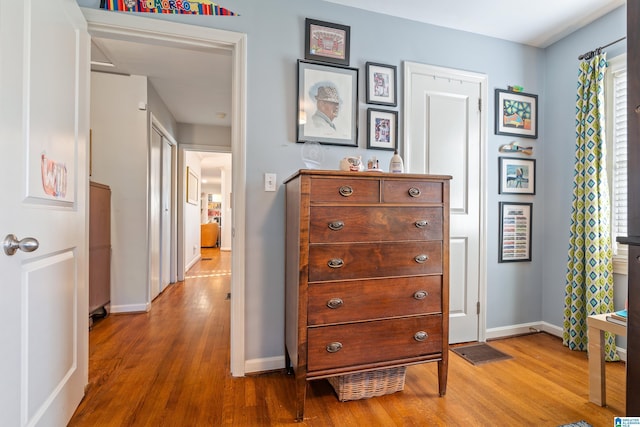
(44, 128)
(155, 188)
(166, 242)
(443, 135)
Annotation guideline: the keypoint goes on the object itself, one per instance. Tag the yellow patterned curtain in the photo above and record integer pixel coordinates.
(589, 285)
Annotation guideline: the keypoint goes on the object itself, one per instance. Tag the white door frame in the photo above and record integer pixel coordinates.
(411, 68)
(145, 30)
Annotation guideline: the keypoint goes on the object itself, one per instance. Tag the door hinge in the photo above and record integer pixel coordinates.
(480, 104)
(478, 307)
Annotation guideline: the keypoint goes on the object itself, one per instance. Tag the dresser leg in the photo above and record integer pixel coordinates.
(442, 376)
(301, 394)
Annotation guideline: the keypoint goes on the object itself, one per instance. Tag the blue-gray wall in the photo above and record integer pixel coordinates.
(517, 293)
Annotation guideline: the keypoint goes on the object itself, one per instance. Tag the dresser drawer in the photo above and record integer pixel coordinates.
(365, 260)
(339, 302)
(401, 191)
(345, 190)
(378, 223)
(370, 342)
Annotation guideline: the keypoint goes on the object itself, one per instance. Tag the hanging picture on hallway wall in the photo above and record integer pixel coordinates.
(517, 176)
(516, 114)
(515, 231)
(192, 187)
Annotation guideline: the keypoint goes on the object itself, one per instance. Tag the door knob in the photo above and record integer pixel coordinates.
(11, 244)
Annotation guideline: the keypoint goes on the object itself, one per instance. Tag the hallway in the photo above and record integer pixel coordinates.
(167, 366)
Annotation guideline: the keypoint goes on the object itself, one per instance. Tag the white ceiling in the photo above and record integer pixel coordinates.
(537, 23)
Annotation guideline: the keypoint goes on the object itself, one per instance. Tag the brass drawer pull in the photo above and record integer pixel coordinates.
(420, 295)
(346, 191)
(421, 259)
(420, 336)
(422, 223)
(414, 192)
(334, 347)
(334, 303)
(335, 263)
(336, 225)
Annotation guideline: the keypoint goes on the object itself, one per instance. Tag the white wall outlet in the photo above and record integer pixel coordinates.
(269, 182)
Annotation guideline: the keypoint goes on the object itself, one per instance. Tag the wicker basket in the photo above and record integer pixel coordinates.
(363, 385)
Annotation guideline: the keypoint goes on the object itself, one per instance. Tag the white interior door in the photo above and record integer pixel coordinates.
(44, 128)
(155, 215)
(443, 135)
(166, 242)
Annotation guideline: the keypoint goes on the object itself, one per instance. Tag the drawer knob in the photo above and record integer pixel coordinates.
(346, 190)
(420, 336)
(422, 223)
(420, 295)
(334, 347)
(334, 303)
(414, 192)
(422, 258)
(336, 225)
(335, 263)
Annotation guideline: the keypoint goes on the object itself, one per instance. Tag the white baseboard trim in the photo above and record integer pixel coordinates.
(192, 262)
(508, 331)
(130, 308)
(264, 364)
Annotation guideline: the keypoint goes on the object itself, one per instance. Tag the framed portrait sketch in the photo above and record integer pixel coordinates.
(382, 129)
(517, 176)
(515, 231)
(327, 104)
(326, 42)
(516, 114)
(381, 84)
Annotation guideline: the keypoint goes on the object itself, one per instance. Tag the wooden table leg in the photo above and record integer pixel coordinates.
(442, 376)
(301, 394)
(597, 388)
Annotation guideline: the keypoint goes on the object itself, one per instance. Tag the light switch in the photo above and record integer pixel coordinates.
(269, 182)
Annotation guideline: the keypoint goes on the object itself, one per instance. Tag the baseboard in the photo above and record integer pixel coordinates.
(192, 262)
(264, 364)
(130, 308)
(525, 328)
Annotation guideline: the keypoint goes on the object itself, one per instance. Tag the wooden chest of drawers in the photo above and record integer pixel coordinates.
(367, 274)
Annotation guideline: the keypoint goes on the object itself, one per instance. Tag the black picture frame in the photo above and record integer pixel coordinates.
(321, 85)
(327, 42)
(516, 114)
(515, 231)
(516, 175)
(381, 84)
(382, 129)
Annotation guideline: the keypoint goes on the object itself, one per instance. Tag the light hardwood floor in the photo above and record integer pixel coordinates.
(170, 367)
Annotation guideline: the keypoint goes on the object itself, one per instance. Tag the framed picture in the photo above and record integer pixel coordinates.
(382, 129)
(517, 176)
(326, 42)
(516, 114)
(192, 187)
(381, 84)
(515, 231)
(327, 104)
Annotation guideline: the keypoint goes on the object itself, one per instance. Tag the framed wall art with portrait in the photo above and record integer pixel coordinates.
(516, 114)
(381, 84)
(327, 104)
(327, 42)
(517, 176)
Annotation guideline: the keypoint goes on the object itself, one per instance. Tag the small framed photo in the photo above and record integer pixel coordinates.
(381, 84)
(326, 42)
(192, 187)
(517, 176)
(516, 114)
(515, 231)
(327, 104)
(382, 129)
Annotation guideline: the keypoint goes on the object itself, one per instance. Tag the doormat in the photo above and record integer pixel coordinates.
(577, 424)
(478, 354)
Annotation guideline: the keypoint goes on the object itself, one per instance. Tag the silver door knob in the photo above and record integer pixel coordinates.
(11, 244)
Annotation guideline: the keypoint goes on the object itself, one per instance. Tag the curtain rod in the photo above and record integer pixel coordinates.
(592, 53)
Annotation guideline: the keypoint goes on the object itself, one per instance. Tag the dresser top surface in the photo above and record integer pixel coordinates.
(365, 174)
